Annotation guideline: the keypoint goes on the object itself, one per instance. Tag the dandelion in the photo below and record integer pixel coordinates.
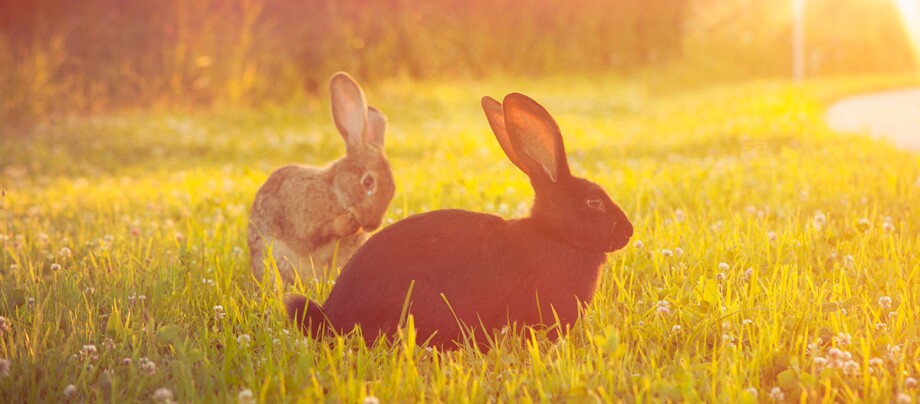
(723, 266)
(147, 366)
(679, 215)
(246, 397)
(885, 302)
(70, 391)
(65, 252)
(5, 366)
(219, 312)
(820, 220)
(910, 382)
(370, 400)
(777, 394)
(638, 244)
(771, 235)
(163, 395)
(667, 253)
(904, 398)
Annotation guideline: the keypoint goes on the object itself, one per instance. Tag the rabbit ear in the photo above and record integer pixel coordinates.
(376, 126)
(496, 118)
(535, 137)
(349, 110)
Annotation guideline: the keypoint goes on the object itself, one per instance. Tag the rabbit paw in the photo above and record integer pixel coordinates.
(345, 225)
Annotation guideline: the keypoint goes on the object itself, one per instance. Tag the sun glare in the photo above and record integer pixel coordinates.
(910, 17)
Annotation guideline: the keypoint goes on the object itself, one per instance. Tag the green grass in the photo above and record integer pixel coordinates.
(154, 205)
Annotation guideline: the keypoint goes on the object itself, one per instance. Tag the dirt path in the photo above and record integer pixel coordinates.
(894, 115)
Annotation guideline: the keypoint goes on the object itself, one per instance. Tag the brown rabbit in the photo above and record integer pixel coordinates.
(308, 216)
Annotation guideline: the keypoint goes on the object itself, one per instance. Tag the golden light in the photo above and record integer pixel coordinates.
(909, 10)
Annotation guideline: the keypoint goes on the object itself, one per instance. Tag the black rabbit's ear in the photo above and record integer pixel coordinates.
(535, 137)
(349, 110)
(496, 118)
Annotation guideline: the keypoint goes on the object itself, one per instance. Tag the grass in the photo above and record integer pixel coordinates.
(763, 242)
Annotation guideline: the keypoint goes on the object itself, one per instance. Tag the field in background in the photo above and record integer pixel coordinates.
(772, 258)
(59, 57)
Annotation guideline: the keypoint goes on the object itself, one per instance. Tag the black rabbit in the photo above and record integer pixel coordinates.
(475, 272)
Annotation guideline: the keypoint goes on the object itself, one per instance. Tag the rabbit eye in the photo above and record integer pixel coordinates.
(595, 204)
(368, 182)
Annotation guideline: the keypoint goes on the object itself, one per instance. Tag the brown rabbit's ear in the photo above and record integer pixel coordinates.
(496, 118)
(376, 126)
(349, 110)
(535, 137)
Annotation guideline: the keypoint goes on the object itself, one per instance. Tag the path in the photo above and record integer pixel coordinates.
(894, 115)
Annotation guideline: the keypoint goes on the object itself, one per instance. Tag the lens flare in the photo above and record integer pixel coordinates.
(910, 17)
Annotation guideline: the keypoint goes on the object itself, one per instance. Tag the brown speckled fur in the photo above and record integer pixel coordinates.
(311, 218)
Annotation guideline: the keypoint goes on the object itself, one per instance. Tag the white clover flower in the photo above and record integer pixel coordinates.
(771, 235)
(163, 395)
(55, 267)
(638, 244)
(65, 252)
(70, 391)
(747, 321)
(209, 282)
(723, 266)
(843, 339)
(777, 394)
(89, 352)
(370, 400)
(819, 362)
(880, 326)
(863, 224)
(720, 276)
(244, 340)
(888, 227)
(849, 262)
(667, 253)
(246, 397)
(664, 307)
(876, 362)
(14, 267)
(678, 251)
(675, 329)
(885, 302)
(4, 326)
(851, 368)
(5, 366)
(679, 215)
(910, 382)
(219, 312)
(904, 398)
(147, 366)
(126, 361)
(751, 390)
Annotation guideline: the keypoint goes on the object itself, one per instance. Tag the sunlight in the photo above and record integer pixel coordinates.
(910, 17)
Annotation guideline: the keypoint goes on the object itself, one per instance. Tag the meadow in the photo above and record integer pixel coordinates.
(773, 260)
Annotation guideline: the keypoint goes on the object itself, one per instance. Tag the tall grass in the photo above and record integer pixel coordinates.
(763, 243)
